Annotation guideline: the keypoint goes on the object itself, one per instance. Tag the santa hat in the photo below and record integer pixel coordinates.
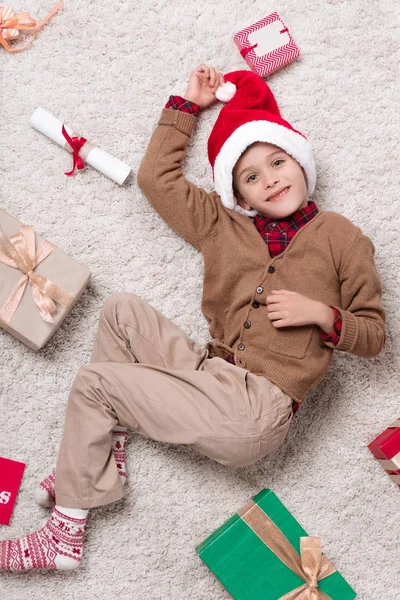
(251, 115)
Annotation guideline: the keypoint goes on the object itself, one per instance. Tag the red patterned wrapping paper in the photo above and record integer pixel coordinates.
(386, 450)
(267, 45)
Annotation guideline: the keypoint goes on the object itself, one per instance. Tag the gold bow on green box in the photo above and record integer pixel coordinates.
(262, 553)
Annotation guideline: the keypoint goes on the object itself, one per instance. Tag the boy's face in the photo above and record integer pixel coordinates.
(269, 181)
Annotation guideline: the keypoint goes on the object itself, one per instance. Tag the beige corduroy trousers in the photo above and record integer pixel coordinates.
(147, 375)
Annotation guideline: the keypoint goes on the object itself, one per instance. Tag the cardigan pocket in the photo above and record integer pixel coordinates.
(291, 341)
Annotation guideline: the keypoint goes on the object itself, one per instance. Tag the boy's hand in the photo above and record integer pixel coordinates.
(203, 83)
(290, 309)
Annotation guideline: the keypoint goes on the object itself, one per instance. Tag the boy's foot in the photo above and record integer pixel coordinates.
(58, 545)
(45, 494)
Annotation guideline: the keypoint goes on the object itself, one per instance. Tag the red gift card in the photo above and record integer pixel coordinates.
(11, 473)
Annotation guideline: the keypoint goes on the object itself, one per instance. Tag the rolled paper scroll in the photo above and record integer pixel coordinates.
(100, 160)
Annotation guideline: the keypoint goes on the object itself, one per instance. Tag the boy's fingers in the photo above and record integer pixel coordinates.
(203, 68)
(210, 77)
(203, 78)
(273, 316)
(279, 323)
(213, 77)
(272, 308)
(203, 73)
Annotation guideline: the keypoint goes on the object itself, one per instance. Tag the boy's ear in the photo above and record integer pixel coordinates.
(242, 202)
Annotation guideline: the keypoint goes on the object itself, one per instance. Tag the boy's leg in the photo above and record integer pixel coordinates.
(129, 331)
(132, 331)
(59, 543)
(45, 493)
(180, 398)
(207, 400)
(212, 408)
(173, 406)
(166, 405)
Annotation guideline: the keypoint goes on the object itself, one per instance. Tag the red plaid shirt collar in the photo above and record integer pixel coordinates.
(279, 233)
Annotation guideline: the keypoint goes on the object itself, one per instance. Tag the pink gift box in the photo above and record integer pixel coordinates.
(267, 45)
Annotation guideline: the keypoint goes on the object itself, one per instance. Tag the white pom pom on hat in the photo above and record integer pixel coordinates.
(226, 91)
(250, 115)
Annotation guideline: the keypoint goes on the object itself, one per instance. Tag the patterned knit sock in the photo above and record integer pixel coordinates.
(45, 495)
(58, 545)
(119, 440)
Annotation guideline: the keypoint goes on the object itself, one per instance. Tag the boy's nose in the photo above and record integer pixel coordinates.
(270, 180)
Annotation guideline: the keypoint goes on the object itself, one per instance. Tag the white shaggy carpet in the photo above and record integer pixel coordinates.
(108, 68)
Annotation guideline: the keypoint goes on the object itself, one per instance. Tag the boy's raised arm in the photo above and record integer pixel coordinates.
(189, 210)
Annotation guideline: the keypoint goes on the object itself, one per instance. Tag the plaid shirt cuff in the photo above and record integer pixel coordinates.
(334, 336)
(179, 103)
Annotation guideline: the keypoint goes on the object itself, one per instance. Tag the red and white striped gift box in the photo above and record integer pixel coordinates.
(267, 45)
(386, 449)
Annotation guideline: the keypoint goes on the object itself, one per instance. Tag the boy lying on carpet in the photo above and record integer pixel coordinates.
(285, 283)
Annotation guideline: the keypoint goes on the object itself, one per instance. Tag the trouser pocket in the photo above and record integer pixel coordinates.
(229, 451)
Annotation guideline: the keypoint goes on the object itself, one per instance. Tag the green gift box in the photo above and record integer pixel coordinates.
(263, 553)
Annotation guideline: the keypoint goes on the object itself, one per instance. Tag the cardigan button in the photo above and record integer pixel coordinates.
(271, 269)
(259, 290)
(247, 324)
(241, 347)
(255, 304)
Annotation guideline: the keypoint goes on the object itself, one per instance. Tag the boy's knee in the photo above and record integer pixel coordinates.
(117, 303)
(88, 376)
(92, 384)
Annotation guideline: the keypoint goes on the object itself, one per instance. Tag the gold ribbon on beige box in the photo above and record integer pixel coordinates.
(310, 565)
(19, 252)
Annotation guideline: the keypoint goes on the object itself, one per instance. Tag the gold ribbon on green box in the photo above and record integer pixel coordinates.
(19, 252)
(310, 565)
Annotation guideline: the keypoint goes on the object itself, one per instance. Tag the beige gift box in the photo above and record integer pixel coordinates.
(55, 281)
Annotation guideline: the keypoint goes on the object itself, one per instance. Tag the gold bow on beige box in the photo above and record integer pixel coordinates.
(19, 252)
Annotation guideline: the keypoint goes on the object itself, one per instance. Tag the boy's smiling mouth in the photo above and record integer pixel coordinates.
(279, 194)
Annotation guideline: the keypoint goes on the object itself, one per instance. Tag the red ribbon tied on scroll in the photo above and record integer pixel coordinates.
(11, 25)
(19, 252)
(75, 145)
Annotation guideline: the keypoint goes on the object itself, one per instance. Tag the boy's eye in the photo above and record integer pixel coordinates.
(251, 178)
(278, 162)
